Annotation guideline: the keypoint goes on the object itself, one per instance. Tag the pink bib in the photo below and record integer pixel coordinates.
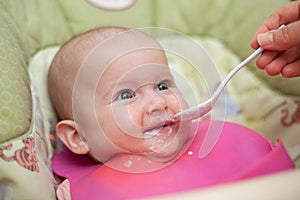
(239, 153)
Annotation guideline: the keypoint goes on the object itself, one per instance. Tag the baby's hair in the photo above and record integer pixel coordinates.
(66, 63)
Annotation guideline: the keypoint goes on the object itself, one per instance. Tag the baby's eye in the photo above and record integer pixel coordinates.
(125, 94)
(164, 85)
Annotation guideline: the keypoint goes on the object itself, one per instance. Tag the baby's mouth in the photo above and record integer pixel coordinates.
(157, 129)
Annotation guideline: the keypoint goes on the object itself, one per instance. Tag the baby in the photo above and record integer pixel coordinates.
(114, 95)
(130, 91)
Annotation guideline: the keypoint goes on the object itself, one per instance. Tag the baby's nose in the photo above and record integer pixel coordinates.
(157, 104)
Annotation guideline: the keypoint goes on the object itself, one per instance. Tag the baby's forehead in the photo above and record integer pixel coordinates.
(112, 48)
(133, 65)
(127, 39)
(102, 54)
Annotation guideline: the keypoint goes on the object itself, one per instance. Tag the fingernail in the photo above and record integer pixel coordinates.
(265, 39)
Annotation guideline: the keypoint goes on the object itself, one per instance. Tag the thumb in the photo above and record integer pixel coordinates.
(281, 39)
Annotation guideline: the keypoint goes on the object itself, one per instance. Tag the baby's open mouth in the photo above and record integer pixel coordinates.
(153, 131)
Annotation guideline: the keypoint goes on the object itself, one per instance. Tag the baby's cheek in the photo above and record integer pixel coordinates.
(127, 120)
(177, 102)
(135, 116)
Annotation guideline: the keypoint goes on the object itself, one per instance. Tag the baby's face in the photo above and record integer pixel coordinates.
(135, 97)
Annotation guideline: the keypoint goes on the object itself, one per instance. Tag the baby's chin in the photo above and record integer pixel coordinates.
(167, 153)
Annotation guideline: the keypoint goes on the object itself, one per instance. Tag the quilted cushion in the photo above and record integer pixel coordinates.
(15, 96)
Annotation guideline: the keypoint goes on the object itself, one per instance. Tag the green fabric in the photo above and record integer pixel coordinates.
(42, 23)
(82, 16)
(15, 95)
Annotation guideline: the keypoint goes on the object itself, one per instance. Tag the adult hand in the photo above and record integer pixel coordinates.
(282, 46)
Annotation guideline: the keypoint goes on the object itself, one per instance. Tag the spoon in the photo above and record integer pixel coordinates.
(205, 107)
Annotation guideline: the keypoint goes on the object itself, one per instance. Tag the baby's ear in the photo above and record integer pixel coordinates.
(67, 132)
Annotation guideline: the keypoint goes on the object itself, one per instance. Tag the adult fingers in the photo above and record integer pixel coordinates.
(266, 58)
(286, 58)
(291, 70)
(281, 39)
